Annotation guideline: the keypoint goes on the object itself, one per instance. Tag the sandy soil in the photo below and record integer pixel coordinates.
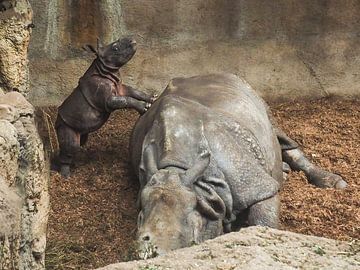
(93, 217)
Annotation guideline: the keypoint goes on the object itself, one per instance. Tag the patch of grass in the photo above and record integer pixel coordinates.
(319, 250)
(150, 267)
(236, 244)
(131, 254)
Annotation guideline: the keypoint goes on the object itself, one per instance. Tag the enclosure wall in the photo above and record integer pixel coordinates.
(283, 48)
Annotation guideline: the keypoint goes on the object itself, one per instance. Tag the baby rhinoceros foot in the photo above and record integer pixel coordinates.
(65, 171)
(146, 108)
(324, 179)
(153, 98)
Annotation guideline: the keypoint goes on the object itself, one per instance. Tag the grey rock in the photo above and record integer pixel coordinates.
(24, 175)
(256, 248)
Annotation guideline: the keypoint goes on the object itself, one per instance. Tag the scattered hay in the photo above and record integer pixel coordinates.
(93, 217)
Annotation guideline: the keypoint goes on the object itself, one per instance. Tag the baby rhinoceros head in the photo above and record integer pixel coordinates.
(116, 54)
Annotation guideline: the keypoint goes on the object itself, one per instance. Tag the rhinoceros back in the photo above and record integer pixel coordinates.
(230, 96)
(175, 121)
(226, 94)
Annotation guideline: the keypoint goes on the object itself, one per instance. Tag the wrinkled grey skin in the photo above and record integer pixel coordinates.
(6, 4)
(209, 160)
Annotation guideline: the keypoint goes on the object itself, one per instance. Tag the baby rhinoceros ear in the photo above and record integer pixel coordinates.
(89, 48)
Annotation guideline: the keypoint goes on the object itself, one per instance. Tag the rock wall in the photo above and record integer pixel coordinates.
(283, 48)
(24, 172)
(256, 248)
(24, 176)
(15, 28)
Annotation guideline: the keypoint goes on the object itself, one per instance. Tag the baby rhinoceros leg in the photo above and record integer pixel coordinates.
(84, 139)
(317, 176)
(265, 213)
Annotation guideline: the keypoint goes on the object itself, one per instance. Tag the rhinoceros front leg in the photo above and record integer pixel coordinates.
(122, 102)
(317, 176)
(140, 95)
(265, 213)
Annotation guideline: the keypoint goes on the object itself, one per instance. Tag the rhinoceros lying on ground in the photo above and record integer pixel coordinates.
(209, 160)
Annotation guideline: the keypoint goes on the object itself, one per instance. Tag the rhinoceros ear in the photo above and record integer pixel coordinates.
(150, 161)
(214, 199)
(89, 48)
(99, 47)
(197, 170)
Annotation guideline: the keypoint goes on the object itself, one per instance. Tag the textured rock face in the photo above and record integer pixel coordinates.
(284, 49)
(24, 175)
(256, 248)
(14, 41)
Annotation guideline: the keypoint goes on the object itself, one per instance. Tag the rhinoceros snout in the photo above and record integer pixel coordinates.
(147, 248)
(146, 239)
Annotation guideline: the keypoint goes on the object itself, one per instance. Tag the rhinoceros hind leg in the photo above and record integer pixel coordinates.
(286, 169)
(265, 213)
(317, 176)
(285, 142)
(65, 171)
(84, 139)
(69, 144)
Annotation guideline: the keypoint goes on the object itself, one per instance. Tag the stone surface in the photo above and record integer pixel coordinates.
(14, 41)
(256, 248)
(24, 176)
(284, 49)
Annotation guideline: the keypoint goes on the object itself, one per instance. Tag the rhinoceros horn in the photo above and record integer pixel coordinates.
(197, 170)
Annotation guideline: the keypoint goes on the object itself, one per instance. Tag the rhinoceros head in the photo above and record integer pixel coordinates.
(180, 208)
(115, 54)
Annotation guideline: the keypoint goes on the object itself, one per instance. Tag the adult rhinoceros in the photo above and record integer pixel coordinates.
(209, 159)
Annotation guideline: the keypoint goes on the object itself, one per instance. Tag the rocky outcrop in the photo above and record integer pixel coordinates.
(256, 248)
(24, 176)
(15, 28)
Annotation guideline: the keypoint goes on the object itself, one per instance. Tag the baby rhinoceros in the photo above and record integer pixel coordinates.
(209, 160)
(99, 92)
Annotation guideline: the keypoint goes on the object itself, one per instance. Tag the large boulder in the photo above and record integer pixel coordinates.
(15, 28)
(24, 176)
(256, 248)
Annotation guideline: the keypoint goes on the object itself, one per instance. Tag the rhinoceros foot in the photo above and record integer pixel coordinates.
(325, 179)
(65, 171)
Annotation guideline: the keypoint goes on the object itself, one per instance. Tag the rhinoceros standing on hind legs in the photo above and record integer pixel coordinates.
(100, 91)
(209, 160)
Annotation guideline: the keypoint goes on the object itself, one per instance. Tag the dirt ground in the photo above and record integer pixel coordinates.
(93, 214)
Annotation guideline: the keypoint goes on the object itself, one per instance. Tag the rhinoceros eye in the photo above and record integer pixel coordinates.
(152, 181)
(115, 48)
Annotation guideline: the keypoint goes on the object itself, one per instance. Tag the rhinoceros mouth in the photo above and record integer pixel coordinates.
(148, 251)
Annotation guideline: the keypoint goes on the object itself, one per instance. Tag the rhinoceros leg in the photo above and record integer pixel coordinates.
(69, 144)
(84, 139)
(117, 102)
(265, 213)
(317, 176)
(292, 155)
(286, 170)
(139, 95)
